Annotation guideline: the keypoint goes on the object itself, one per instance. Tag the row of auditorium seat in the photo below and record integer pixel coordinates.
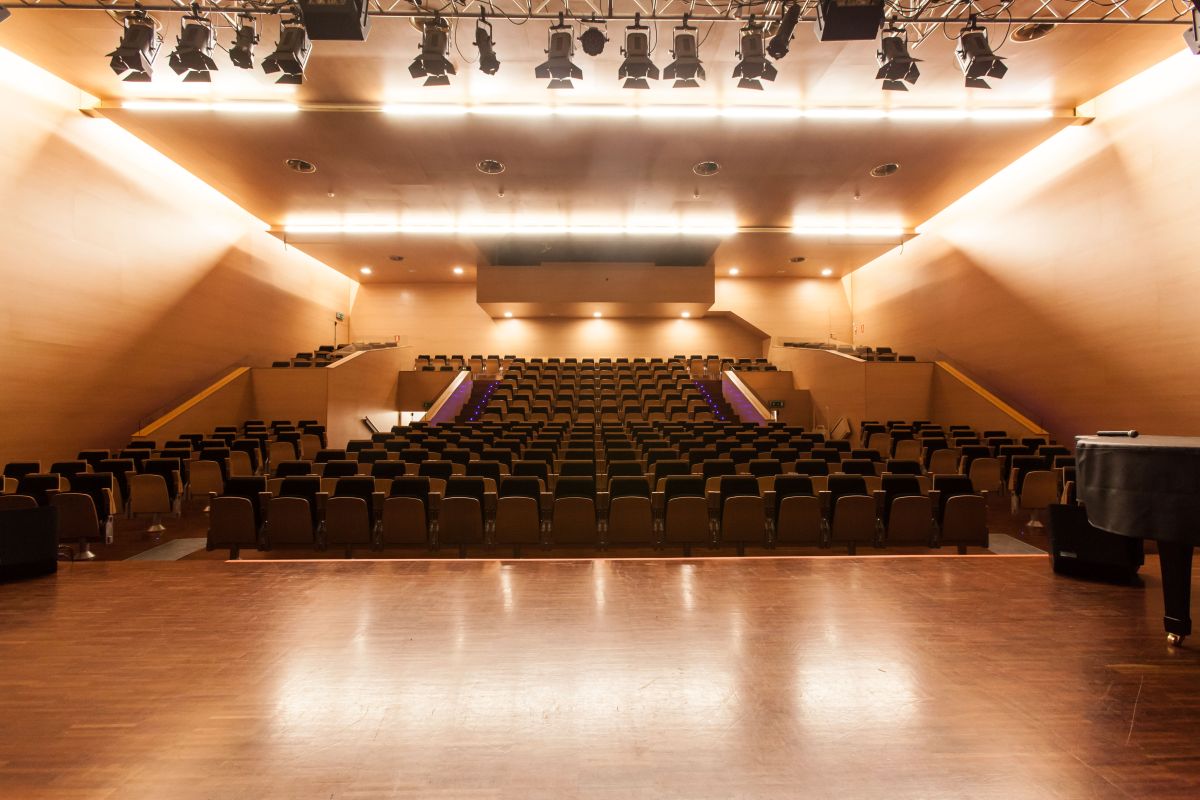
(884, 354)
(519, 511)
(327, 354)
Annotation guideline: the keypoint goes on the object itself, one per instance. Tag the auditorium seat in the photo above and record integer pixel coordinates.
(78, 521)
(574, 514)
(17, 502)
(685, 507)
(290, 522)
(964, 522)
(232, 525)
(348, 520)
(630, 512)
(741, 512)
(1038, 490)
(206, 479)
(986, 475)
(518, 513)
(150, 495)
(41, 486)
(851, 511)
(797, 512)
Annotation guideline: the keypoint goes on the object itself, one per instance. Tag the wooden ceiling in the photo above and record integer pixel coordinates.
(373, 165)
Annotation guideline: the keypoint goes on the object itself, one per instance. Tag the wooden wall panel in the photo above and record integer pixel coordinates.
(445, 318)
(804, 309)
(769, 386)
(128, 285)
(1067, 284)
(362, 385)
(291, 394)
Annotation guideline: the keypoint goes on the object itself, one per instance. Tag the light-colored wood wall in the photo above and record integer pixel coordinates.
(127, 283)
(1068, 284)
(445, 318)
(795, 309)
(780, 385)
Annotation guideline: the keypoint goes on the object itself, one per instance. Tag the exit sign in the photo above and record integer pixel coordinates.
(774, 404)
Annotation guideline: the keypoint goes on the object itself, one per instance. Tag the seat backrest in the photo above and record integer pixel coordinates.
(65, 469)
(738, 486)
(286, 469)
(763, 467)
(461, 486)
(673, 467)
(624, 469)
(436, 469)
(575, 486)
(38, 485)
(119, 467)
(902, 467)
(164, 467)
(857, 466)
(811, 466)
(250, 487)
(519, 486)
(361, 486)
(484, 469)
(411, 486)
(792, 486)
(894, 486)
(93, 485)
(628, 487)
(585, 469)
(843, 486)
(535, 469)
(682, 486)
(717, 467)
(948, 486)
(388, 469)
(1026, 464)
(305, 487)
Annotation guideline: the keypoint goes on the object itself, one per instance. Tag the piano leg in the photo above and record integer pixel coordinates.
(1175, 560)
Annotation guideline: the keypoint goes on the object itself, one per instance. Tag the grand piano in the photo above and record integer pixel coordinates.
(1148, 487)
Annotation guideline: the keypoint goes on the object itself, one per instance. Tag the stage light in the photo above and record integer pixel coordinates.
(558, 67)
(433, 62)
(291, 52)
(778, 46)
(133, 60)
(1192, 35)
(192, 56)
(686, 69)
(245, 37)
(975, 56)
(594, 39)
(489, 64)
(896, 66)
(753, 67)
(637, 66)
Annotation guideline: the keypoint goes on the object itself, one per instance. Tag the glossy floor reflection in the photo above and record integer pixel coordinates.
(956, 677)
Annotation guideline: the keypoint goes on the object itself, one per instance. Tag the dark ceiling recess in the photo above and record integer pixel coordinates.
(665, 252)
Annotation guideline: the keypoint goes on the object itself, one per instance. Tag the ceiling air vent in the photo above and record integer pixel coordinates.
(301, 166)
(885, 170)
(490, 166)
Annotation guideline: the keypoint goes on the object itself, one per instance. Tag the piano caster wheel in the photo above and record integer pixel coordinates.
(1175, 640)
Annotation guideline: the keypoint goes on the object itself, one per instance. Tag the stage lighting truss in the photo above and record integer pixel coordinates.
(896, 66)
(558, 67)
(489, 63)
(594, 37)
(291, 52)
(245, 37)
(686, 69)
(192, 56)
(433, 61)
(753, 66)
(133, 60)
(975, 56)
(778, 46)
(637, 69)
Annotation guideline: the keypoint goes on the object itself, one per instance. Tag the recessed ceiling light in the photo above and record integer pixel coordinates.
(706, 169)
(458, 270)
(686, 314)
(395, 258)
(490, 166)
(301, 166)
(508, 315)
(734, 271)
(596, 314)
(885, 170)
(826, 272)
(1032, 31)
(365, 270)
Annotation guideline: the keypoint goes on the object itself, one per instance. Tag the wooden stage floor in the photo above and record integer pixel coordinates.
(875, 677)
